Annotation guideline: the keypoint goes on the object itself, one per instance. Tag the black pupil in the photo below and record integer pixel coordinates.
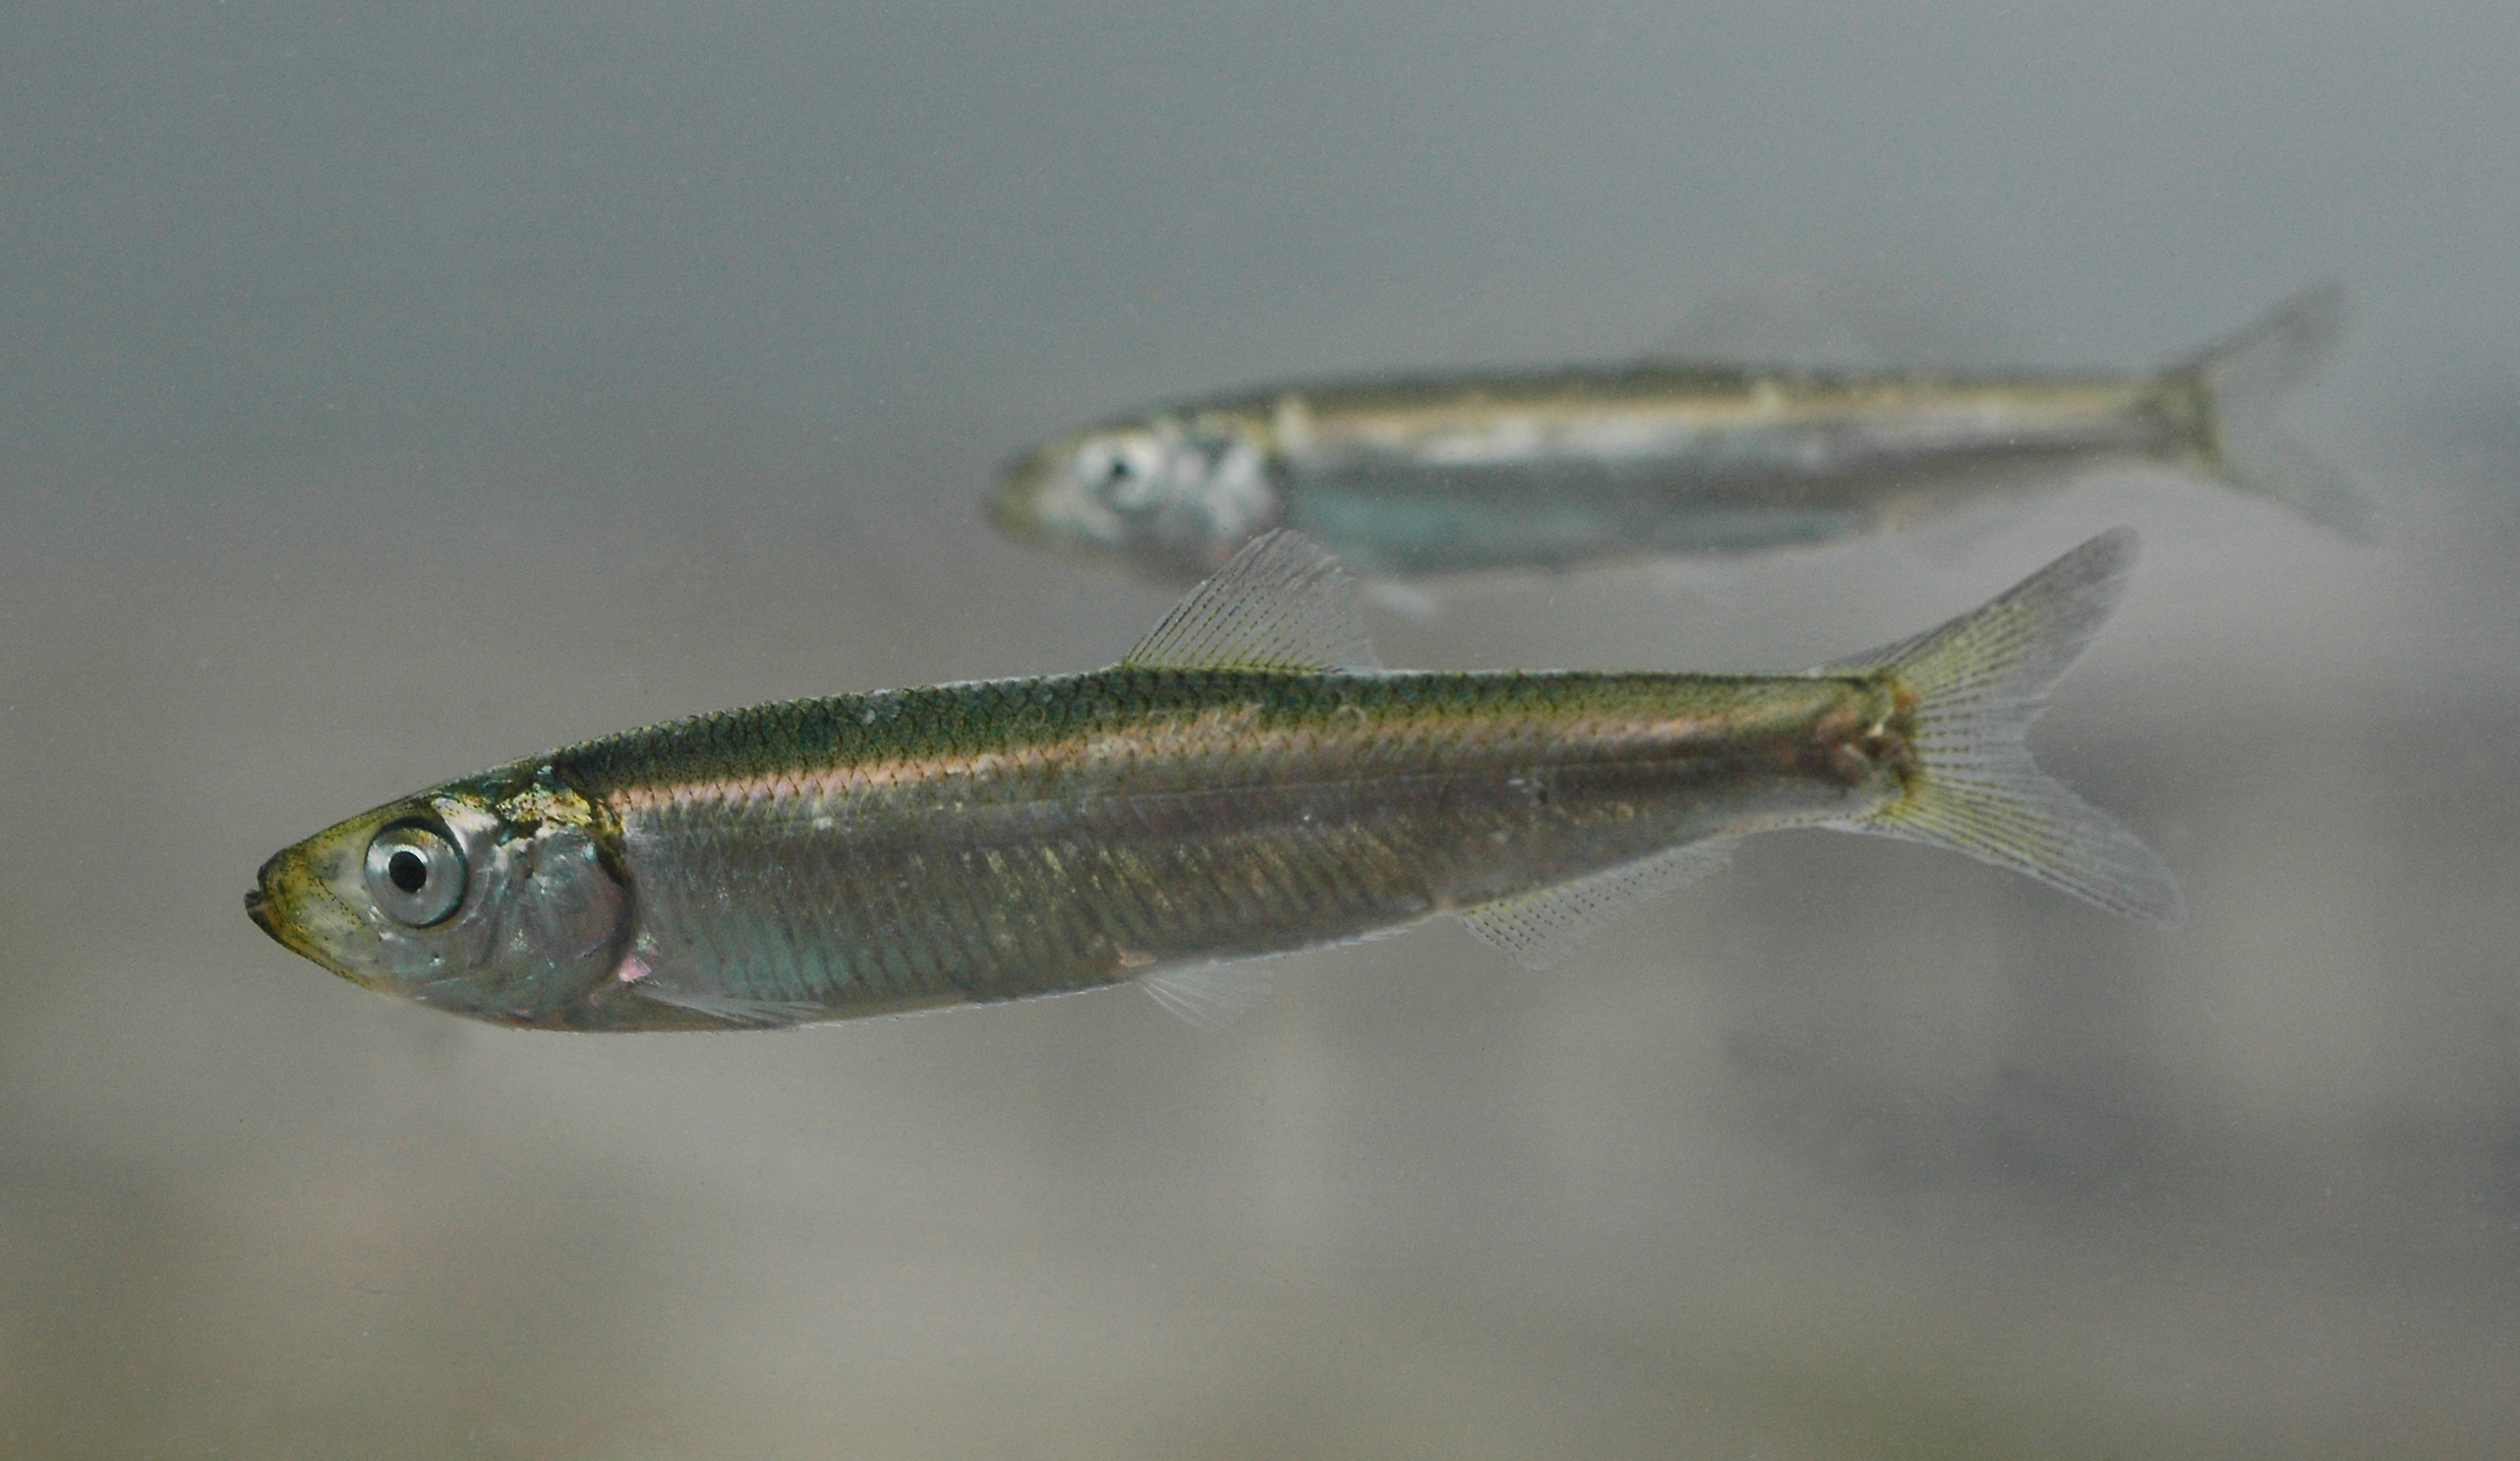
(408, 869)
(1119, 469)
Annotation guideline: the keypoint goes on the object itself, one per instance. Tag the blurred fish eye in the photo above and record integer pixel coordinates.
(1123, 472)
(415, 873)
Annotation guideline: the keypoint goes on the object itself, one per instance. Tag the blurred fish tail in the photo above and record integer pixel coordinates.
(2232, 391)
(1970, 690)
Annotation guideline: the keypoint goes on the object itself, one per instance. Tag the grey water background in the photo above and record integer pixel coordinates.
(389, 390)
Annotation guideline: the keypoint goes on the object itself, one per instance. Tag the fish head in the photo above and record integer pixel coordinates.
(1171, 497)
(494, 898)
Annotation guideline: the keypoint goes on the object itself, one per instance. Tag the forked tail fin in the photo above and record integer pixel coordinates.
(2235, 386)
(1978, 682)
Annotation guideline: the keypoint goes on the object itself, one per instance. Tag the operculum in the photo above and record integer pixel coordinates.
(554, 916)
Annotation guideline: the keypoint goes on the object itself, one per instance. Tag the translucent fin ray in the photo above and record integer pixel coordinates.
(1281, 603)
(1539, 928)
(1978, 681)
(2243, 380)
(1209, 997)
(748, 1014)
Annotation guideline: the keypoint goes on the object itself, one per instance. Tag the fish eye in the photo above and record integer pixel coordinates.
(415, 873)
(1100, 464)
(1124, 472)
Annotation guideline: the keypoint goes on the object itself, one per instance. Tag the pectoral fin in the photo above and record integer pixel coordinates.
(738, 1013)
(1209, 996)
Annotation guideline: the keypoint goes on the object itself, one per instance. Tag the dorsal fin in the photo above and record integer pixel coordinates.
(1282, 604)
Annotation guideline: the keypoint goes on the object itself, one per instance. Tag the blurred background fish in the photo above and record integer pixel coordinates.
(1421, 475)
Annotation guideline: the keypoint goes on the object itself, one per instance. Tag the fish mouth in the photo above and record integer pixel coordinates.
(261, 897)
(1015, 508)
(268, 908)
(277, 905)
(1008, 513)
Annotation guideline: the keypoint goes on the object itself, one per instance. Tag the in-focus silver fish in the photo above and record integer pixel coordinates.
(1436, 475)
(1246, 782)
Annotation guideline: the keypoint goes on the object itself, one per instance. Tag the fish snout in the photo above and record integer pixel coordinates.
(289, 902)
(1010, 510)
(1016, 509)
(262, 900)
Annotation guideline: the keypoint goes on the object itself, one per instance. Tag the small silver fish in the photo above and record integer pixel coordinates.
(1407, 477)
(1246, 782)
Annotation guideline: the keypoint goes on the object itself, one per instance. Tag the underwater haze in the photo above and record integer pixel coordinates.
(389, 391)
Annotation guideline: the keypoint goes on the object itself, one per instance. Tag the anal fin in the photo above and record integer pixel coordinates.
(1539, 928)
